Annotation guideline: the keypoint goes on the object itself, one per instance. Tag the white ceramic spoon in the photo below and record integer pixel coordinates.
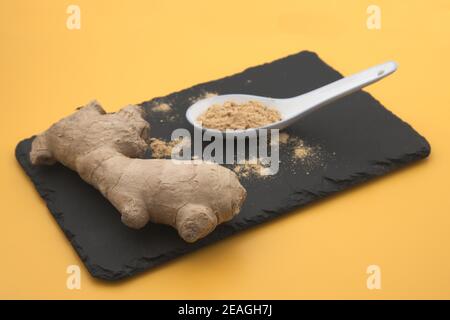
(292, 109)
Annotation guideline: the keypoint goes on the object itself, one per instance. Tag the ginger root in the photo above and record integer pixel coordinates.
(104, 148)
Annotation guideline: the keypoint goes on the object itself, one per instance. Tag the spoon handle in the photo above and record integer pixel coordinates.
(335, 90)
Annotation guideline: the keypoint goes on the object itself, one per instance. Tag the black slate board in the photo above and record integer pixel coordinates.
(358, 136)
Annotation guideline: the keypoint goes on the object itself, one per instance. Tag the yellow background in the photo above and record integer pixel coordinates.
(131, 51)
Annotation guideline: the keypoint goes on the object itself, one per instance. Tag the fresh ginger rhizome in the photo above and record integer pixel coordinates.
(107, 151)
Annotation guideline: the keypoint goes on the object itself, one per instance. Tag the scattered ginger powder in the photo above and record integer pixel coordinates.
(162, 149)
(234, 116)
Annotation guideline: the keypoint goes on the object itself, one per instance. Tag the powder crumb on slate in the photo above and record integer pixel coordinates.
(209, 95)
(234, 116)
(162, 107)
(310, 157)
(204, 95)
(251, 169)
(284, 137)
(302, 152)
(163, 149)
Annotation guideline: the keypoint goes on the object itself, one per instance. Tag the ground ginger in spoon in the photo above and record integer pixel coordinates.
(238, 116)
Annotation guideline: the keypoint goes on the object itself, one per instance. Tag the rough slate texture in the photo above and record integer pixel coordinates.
(360, 138)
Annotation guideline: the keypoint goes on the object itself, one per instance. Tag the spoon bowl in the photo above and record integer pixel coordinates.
(292, 109)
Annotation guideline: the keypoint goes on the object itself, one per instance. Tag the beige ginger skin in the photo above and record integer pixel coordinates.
(104, 148)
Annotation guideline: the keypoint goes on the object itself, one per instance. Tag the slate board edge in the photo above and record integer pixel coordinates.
(144, 263)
